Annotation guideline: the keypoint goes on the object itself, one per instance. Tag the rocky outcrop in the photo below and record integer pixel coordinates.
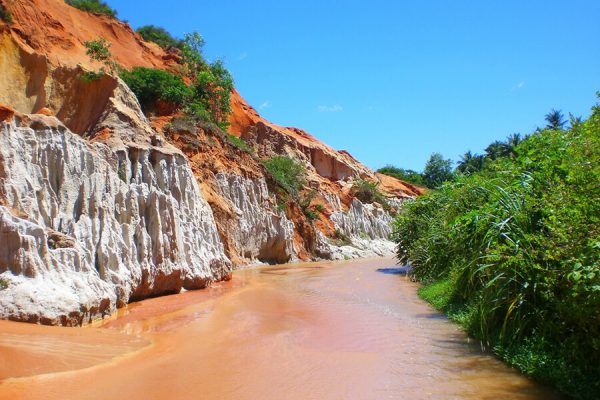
(324, 161)
(363, 220)
(361, 231)
(86, 228)
(263, 232)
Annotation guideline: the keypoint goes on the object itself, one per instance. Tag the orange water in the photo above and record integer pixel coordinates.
(299, 331)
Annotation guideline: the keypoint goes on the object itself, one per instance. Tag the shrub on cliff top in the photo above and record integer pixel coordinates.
(93, 6)
(160, 36)
(206, 99)
(150, 85)
(407, 175)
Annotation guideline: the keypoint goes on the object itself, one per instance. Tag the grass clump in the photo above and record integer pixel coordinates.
(160, 36)
(512, 252)
(290, 175)
(239, 143)
(368, 192)
(93, 6)
(3, 284)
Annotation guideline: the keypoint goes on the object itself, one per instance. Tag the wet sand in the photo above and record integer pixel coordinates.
(299, 331)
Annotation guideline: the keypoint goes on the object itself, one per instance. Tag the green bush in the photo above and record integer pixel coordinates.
(212, 89)
(206, 99)
(3, 284)
(437, 171)
(289, 174)
(150, 85)
(368, 192)
(407, 175)
(518, 247)
(160, 36)
(98, 50)
(93, 6)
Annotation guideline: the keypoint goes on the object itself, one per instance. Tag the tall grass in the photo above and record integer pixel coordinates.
(516, 249)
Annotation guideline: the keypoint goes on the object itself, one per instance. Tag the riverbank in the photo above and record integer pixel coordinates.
(534, 357)
(295, 331)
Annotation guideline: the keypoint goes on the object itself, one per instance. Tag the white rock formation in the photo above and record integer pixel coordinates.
(263, 232)
(363, 220)
(85, 228)
(367, 226)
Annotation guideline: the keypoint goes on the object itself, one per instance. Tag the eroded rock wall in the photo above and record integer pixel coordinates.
(263, 232)
(365, 229)
(86, 227)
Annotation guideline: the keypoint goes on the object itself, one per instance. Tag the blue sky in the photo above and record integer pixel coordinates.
(393, 81)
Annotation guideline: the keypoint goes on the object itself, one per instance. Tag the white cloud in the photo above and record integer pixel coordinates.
(518, 86)
(334, 108)
(265, 104)
(242, 56)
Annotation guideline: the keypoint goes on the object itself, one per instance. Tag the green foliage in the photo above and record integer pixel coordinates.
(93, 6)
(368, 192)
(320, 207)
(212, 89)
(160, 36)
(341, 239)
(555, 120)
(515, 249)
(470, 163)
(304, 202)
(90, 76)
(239, 143)
(207, 99)
(150, 85)
(288, 173)
(5, 15)
(407, 175)
(99, 50)
(3, 284)
(437, 171)
(191, 51)
(212, 83)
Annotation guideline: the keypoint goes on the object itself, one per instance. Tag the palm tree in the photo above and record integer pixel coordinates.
(514, 139)
(555, 120)
(574, 121)
(470, 163)
(498, 149)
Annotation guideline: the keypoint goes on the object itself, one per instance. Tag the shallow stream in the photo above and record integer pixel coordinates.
(346, 330)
